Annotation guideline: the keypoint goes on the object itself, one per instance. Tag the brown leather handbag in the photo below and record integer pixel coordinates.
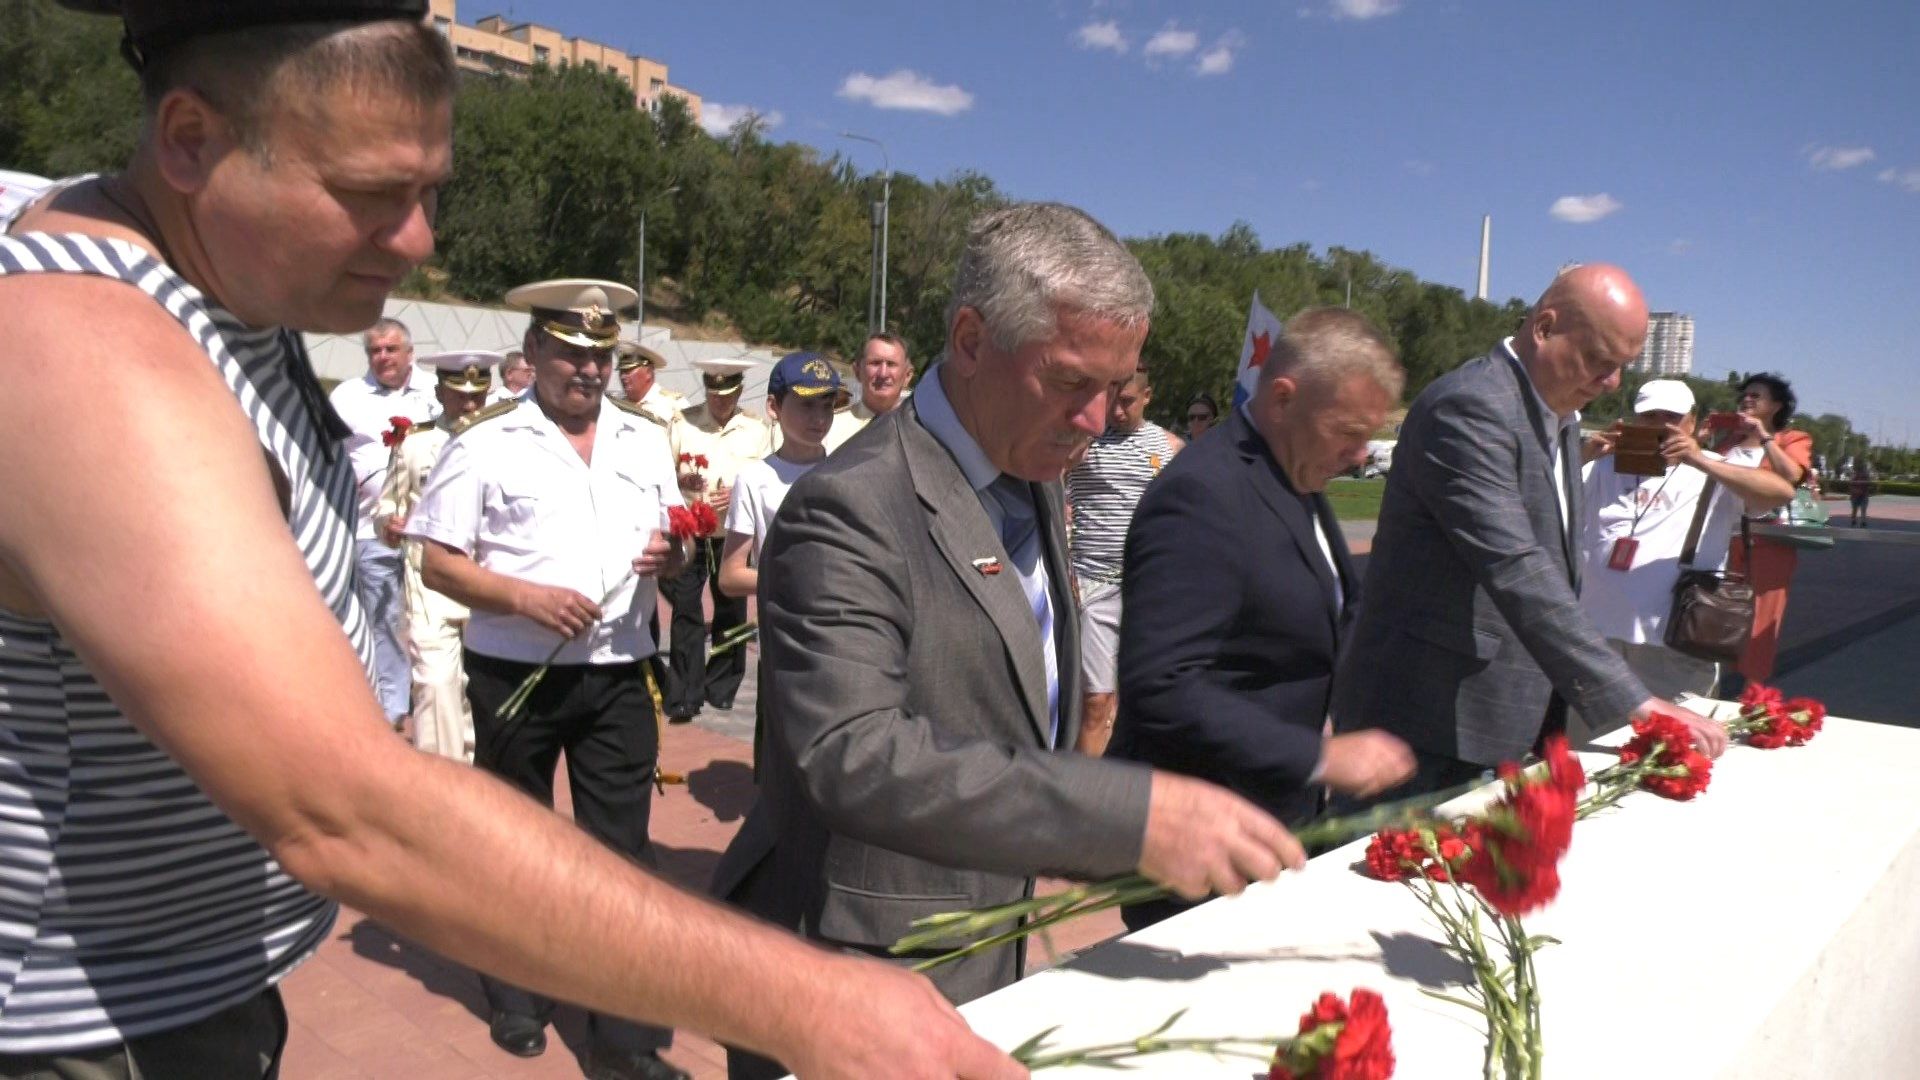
(1712, 615)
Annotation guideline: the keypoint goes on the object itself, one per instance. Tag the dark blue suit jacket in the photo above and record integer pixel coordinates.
(1229, 631)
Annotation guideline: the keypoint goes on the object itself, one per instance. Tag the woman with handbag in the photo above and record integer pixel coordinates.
(1766, 404)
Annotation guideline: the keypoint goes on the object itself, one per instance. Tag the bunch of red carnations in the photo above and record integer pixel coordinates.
(1477, 876)
(1660, 758)
(1769, 721)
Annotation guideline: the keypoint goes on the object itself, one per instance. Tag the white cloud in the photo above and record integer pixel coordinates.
(1581, 209)
(1418, 166)
(1907, 178)
(1833, 158)
(1680, 247)
(1101, 35)
(719, 119)
(906, 89)
(1219, 59)
(1311, 184)
(1363, 9)
(1171, 41)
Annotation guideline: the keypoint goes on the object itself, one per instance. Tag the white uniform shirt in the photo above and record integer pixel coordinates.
(513, 494)
(369, 409)
(1632, 605)
(757, 496)
(413, 462)
(851, 420)
(727, 447)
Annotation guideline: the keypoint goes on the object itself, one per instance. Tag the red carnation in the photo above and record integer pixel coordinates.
(1398, 854)
(1807, 717)
(1666, 742)
(1699, 771)
(1757, 694)
(686, 459)
(399, 426)
(704, 519)
(1394, 854)
(1348, 1040)
(681, 524)
(691, 522)
(1518, 843)
(699, 461)
(1777, 729)
(1787, 723)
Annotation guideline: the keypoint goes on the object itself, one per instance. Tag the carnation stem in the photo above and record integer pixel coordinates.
(1047, 911)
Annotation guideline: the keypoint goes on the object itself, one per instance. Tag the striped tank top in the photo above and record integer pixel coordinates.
(1104, 488)
(129, 904)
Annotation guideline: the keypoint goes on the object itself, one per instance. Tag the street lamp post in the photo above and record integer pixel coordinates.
(640, 268)
(877, 321)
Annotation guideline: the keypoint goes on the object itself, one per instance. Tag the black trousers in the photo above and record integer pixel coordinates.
(243, 1042)
(602, 716)
(696, 680)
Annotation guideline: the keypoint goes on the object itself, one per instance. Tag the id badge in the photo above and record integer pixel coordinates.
(1622, 557)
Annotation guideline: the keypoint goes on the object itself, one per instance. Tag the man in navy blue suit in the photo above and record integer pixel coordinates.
(1238, 587)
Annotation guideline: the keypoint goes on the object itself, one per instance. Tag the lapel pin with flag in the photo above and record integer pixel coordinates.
(1263, 329)
(988, 567)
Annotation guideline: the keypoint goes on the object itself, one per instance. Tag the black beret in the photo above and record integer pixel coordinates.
(154, 24)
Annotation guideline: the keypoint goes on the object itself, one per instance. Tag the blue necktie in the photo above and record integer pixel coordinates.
(1020, 532)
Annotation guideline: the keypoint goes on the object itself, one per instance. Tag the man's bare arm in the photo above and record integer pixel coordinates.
(217, 645)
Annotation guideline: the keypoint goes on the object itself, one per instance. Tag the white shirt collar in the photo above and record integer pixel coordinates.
(937, 414)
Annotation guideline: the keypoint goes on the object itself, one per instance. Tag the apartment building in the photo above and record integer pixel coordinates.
(501, 46)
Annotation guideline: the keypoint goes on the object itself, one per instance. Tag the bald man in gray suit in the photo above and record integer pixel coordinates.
(1472, 642)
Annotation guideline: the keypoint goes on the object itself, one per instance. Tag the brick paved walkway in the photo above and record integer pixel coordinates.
(372, 1005)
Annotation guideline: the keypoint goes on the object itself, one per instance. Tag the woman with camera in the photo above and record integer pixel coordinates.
(1766, 404)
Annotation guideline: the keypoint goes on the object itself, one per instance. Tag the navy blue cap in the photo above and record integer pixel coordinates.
(804, 373)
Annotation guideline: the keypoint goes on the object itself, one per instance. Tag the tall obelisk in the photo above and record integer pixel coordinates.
(1486, 249)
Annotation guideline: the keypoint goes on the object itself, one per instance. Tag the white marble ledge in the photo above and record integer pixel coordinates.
(1765, 929)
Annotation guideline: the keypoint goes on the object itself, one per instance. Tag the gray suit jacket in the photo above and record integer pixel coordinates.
(905, 766)
(1472, 618)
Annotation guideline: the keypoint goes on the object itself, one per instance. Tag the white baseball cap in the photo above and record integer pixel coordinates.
(1664, 395)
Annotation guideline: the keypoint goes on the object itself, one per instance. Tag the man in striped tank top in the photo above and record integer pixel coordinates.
(193, 766)
(1102, 491)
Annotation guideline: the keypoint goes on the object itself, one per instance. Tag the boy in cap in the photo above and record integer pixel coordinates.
(725, 437)
(1637, 528)
(442, 723)
(802, 394)
(233, 706)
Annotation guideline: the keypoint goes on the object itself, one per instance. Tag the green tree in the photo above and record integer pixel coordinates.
(68, 103)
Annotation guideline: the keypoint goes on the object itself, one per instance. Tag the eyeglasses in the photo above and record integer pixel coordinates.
(1199, 417)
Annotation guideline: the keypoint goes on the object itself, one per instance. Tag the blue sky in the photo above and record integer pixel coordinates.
(1755, 165)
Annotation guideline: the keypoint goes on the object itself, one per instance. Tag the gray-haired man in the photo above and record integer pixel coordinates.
(369, 405)
(920, 659)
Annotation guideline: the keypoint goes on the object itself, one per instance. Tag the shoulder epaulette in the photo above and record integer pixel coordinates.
(626, 406)
(498, 408)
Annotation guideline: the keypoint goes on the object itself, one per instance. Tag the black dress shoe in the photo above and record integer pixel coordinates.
(679, 718)
(521, 1036)
(630, 1065)
(722, 706)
